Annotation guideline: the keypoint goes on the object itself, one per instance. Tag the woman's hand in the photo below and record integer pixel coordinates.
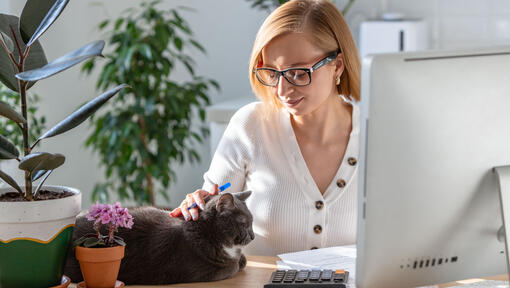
(195, 197)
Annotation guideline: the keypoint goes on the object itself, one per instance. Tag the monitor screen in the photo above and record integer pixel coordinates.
(434, 125)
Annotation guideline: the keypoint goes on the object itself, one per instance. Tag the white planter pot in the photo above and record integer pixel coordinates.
(35, 237)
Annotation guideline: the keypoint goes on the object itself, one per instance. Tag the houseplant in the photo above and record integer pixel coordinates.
(148, 129)
(35, 234)
(100, 255)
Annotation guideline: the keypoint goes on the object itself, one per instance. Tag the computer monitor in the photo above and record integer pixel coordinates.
(434, 125)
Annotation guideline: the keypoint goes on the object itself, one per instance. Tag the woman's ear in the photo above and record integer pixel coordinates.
(339, 65)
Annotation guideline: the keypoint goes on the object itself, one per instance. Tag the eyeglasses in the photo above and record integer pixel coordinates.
(295, 76)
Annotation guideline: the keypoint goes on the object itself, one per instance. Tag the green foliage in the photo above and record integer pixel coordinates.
(270, 5)
(9, 129)
(149, 128)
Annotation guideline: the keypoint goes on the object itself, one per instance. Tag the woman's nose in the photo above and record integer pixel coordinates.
(284, 87)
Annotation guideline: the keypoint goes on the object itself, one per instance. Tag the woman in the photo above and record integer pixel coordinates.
(297, 149)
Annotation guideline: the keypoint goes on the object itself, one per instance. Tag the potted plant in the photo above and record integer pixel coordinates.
(36, 222)
(151, 127)
(100, 255)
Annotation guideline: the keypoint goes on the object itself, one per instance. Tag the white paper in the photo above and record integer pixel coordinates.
(339, 257)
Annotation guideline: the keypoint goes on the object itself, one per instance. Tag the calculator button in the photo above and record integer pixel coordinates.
(327, 275)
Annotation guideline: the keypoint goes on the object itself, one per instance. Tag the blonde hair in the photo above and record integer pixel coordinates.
(329, 31)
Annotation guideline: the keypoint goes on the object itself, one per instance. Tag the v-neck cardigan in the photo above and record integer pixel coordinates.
(259, 152)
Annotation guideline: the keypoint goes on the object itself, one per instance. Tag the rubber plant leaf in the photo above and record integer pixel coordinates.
(80, 115)
(65, 62)
(30, 11)
(7, 149)
(9, 113)
(34, 60)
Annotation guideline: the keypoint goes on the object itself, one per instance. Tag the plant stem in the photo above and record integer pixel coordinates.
(110, 235)
(22, 86)
(147, 162)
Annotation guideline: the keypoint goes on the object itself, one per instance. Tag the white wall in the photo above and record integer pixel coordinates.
(460, 23)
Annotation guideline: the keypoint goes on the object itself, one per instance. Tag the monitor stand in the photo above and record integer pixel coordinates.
(503, 175)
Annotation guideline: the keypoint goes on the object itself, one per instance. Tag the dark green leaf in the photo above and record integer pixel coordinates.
(80, 115)
(103, 24)
(79, 241)
(197, 45)
(91, 242)
(8, 179)
(10, 113)
(81, 54)
(36, 193)
(38, 174)
(118, 23)
(32, 160)
(119, 241)
(32, 15)
(7, 149)
(54, 161)
(35, 59)
(146, 51)
(46, 22)
(178, 43)
(6, 41)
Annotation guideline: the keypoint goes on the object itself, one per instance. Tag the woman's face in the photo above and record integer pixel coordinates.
(294, 50)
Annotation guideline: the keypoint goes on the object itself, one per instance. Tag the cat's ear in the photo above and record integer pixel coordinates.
(242, 195)
(226, 202)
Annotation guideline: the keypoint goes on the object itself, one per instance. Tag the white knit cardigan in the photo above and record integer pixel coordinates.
(259, 152)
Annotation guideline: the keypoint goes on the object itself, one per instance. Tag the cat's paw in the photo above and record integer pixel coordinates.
(242, 262)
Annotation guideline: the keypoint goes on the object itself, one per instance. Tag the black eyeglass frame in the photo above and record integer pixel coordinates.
(331, 56)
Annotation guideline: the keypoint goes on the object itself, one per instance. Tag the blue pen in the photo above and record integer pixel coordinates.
(221, 188)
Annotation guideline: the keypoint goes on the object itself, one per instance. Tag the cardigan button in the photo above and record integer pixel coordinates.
(317, 229)
(340, 183)
(352, 161)
(319, 204)
(313, 248)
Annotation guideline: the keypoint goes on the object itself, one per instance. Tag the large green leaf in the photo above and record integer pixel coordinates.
(32, 15)
(58, 65)
(10, 113)
(80, 115)
(6, 41)
(35, 59)
(7, 149)
(8, 179)
(32, 160)
(54, 161)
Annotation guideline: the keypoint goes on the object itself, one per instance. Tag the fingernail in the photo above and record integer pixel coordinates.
(187, 217)
(194, 215)
(201, 206)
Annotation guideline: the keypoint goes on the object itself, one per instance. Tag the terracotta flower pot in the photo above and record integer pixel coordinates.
(100, 266)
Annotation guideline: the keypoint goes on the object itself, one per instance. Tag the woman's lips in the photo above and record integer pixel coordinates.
(292, 103)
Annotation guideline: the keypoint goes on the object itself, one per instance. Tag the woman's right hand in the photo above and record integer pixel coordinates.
(195, 197)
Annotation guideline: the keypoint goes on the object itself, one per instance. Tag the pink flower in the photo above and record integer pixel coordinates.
(114, 216)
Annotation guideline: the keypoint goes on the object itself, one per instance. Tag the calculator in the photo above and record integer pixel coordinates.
(308, 278)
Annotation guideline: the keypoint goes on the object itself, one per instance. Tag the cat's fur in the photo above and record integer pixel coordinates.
(164, 250)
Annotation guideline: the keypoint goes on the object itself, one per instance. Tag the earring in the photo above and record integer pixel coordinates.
(338, 81)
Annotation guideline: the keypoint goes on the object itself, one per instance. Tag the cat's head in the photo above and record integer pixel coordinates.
(231, 217)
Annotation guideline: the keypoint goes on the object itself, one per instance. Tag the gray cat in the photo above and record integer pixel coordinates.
(165, 250)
